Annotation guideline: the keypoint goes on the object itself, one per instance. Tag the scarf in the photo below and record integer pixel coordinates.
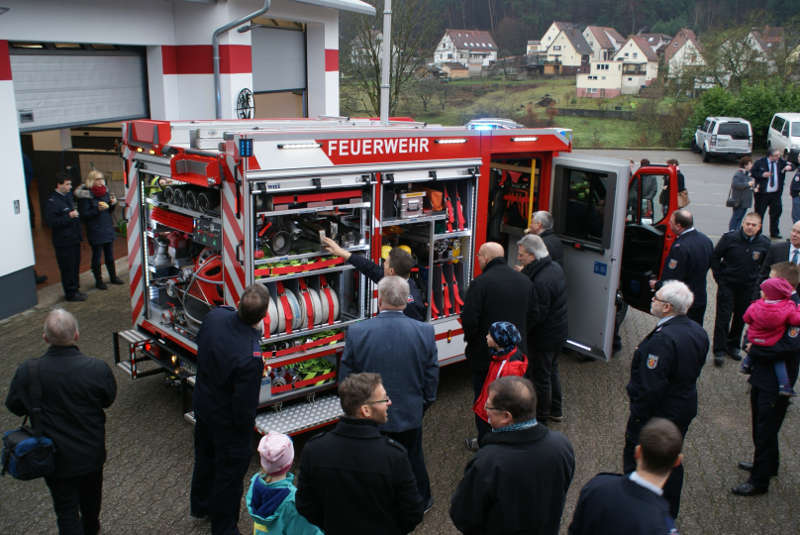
(99, 190)
(516, 427)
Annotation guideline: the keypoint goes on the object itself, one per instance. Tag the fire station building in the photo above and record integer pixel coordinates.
(71, 71)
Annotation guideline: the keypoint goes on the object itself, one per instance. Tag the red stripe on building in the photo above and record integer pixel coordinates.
(5, 61)
(199, 59)
(230, 217)
(331, 60)
(137, 278)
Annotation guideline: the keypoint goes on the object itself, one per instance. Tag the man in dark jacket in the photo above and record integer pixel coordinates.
(61, 216)
(688, 261)
(229, 370)
(403, 351)
(76, 389)
(770, 174)
(354, 479)
(664, 373)
(633, 504)
(736, 264)
(518, 480)
(500, 293)
(548, 325)
(398, 263)
(542, 225)
(767, 407)
(784, 251)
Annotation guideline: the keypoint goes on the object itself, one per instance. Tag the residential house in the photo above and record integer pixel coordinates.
(604, 80)
(683, 52)
(766, 42)
(474, 49)
(454, 70)
(568, 52)
(639, 64)
(603, 41)
(656, 41)
(552, 32)
(532, 47)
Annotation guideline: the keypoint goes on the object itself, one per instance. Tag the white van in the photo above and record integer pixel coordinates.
(723, 136)
(784, 135)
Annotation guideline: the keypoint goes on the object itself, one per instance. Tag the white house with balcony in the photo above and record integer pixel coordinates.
(604, 42)
(474, 49)
(639, 64)
(604, 80)
(683, 52)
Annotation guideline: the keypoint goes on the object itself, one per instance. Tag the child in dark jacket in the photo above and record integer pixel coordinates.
(503, 340)
(767, 319)
(270, 498)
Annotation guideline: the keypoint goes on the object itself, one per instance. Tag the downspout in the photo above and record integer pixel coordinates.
(386, 62)
(215, 45)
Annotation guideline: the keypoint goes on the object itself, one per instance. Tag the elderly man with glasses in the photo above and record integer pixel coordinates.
(664, 373)
(353, 479)
(518, 480)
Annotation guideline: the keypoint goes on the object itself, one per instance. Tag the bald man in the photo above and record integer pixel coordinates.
(500, 293)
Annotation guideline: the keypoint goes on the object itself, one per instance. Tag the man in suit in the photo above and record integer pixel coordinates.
(664, 373)
(542, 225)
(688, 261)
(62, 217)
(770, 173)
(500, 293)
(786, 251)
(403, 351)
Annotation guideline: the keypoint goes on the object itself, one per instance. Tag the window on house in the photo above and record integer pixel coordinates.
(556, 47)
(635, 54)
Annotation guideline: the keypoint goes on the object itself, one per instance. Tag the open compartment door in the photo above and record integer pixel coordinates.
(589, 206)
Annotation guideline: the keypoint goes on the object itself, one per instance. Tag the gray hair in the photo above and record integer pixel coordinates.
(544, 218)
(60, 328)
(678, 295)
(534, 245)
(393, 291)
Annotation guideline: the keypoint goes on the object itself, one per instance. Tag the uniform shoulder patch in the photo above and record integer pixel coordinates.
(652, 361)
(673, 263)
(756, 255)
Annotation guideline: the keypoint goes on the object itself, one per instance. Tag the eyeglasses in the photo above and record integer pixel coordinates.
(660, 300)
(387, 400)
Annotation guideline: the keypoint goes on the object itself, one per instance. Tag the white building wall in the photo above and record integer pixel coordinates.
(548, 37)
(567, 54)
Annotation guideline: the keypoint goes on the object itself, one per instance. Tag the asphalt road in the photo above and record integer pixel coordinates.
(147, 475)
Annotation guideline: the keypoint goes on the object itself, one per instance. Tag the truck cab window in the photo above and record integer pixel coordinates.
(648, 200)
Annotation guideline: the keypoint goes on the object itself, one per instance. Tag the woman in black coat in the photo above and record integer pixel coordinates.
(95, 204)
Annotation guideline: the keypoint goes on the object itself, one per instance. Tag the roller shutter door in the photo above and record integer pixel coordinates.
(279, 59)
(59, 90)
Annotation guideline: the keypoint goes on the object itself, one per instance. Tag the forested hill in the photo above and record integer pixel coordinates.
(513, 22)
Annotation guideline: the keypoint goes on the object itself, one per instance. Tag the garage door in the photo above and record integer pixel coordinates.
(58, 89)
(279, 59)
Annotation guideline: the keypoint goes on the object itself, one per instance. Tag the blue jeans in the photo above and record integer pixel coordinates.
(738, 215)
(795, 209)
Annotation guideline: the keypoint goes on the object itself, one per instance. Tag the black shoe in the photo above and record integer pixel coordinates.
(719, 358)
(735, 354)
(428, 506)
(746, 466)
(41, 279)
(100, 285)
(201, 515)
(556, 418)
(747, 489)
(116, 280)
(76, 297)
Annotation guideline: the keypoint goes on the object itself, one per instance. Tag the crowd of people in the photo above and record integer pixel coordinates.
(368, 474)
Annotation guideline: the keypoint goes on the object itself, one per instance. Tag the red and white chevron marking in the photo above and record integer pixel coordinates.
(136, 275)
(232, 236)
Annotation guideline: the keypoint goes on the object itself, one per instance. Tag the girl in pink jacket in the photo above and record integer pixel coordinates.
(767, 319)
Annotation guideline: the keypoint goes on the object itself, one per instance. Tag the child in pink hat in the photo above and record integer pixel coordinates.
(270, 498)
(767, 319)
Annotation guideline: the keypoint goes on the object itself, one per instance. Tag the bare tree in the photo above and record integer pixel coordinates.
(412, 34)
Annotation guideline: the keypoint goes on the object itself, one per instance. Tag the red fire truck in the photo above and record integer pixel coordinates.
(213, 206)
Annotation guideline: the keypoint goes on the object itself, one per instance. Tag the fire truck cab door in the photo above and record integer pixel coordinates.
(652, 197)
(589, 200)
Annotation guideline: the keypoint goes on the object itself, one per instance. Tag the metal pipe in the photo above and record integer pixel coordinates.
(386, 62)
(215, 45)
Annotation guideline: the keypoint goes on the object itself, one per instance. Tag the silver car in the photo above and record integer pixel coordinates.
(723, 136)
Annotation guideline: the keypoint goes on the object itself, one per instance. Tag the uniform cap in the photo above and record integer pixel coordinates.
(776, 288)
(277, 453)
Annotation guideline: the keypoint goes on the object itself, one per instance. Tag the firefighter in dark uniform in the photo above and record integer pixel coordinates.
(688, 261)
(664, 373)
(768, 408)
(399, 263)
(62, 217)
(229, 370)
(736, 264)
